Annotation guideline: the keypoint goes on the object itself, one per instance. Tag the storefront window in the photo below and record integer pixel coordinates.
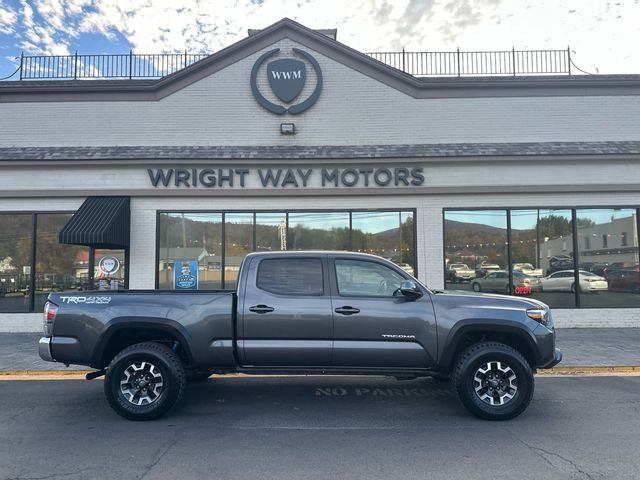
(476, 251)
(191, 237)
(542, 251)
(182, 235)
(15, 262)
(318, 230)
(608, 261)
(58, 266)
(543, 262)
(238, 233)
(386, 234)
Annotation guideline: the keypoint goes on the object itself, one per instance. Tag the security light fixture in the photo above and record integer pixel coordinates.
(287, 128)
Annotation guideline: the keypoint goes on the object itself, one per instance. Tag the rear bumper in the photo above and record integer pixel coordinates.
(557, 358)
(44, 349)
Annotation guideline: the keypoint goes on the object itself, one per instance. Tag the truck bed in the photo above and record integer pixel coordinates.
(88, 321)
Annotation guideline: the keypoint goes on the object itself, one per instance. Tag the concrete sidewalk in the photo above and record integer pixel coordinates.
(581, 347)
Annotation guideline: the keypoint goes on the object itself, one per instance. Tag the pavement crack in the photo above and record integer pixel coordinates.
(160, 453)
(53, 475)
(547, 456)
(542, 452)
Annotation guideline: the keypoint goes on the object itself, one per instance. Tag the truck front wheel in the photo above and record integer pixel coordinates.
(493, 380)
(144, 381)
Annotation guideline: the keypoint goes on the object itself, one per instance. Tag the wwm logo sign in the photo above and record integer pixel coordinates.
(296, 74)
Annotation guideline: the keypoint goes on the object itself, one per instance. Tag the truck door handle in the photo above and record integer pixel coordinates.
(261, 309)
(347, 310)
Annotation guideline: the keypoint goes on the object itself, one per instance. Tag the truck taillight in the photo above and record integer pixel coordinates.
(50, 311)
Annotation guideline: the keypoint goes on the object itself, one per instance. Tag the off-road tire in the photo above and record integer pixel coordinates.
(169, 366)
(473, 358)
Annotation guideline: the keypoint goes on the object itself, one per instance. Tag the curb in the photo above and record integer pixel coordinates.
(44, 375)
(600, 370)
(553, 372)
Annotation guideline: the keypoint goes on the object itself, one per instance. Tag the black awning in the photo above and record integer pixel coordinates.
(100, 222)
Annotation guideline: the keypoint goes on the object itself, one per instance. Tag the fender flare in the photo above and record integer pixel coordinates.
(119, 324)
(481, 325)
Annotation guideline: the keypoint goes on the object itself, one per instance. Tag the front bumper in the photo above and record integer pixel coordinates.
(557, 358)
(44, 349)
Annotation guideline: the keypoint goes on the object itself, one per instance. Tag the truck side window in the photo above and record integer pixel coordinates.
(363, 278)
(291, 276)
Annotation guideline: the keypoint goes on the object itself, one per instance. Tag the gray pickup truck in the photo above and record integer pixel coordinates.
(304, 313)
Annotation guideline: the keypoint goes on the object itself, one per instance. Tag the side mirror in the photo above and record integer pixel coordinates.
(409, 289)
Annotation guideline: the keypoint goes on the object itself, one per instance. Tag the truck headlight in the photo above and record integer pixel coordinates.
(540, 315)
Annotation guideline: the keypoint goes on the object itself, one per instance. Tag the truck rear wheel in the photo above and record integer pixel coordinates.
(493, 380)
(144, 381)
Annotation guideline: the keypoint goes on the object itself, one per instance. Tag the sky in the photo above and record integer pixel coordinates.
(603, 34)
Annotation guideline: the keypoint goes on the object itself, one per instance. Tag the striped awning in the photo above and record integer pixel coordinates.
(100, 222)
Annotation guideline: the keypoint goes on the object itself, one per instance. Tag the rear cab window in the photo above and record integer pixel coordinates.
(291, 276)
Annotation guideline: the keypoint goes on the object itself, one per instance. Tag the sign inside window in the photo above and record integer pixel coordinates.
(185, 275)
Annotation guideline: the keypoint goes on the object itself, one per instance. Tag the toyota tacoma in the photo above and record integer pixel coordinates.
(303, 313)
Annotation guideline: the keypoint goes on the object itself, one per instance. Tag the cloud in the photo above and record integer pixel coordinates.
(462, 14)
(206, 26)
(8, 18)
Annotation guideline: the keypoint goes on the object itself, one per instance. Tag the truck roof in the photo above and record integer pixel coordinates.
(307, 252)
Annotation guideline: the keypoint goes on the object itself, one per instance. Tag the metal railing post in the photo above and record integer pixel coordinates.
(75, 66)
(513, 60)
(21, 63)
(403, 63)
(569, 59)
(185, 57)
(130, 63)
(458, 60)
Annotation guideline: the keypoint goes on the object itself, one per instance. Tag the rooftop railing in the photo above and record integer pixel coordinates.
(460, 63)
(420, 64)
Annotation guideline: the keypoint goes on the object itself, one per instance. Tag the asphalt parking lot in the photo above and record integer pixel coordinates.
(321, 427)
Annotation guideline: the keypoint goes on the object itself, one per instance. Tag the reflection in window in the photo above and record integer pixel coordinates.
(365, 278)
(271, 232)
(541, 250)
(291, 276)
(386, 234)
(475, 246)
(318, 231)
(610, 276)
(543, 260)
(197, 236)
(238, 231)
(191, 236)
(15, 262)
(58, 266)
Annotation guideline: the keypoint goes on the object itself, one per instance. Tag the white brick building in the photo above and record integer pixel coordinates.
(398, 146)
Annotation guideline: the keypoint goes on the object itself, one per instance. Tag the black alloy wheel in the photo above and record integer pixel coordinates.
(493, 380)
(144, 381)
